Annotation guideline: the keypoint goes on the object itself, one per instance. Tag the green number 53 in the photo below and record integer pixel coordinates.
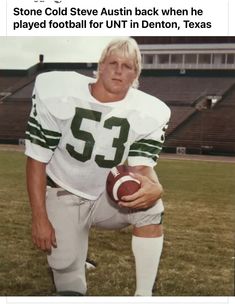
(89, 140)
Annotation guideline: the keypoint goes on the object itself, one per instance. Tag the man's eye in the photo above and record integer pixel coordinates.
(127, 66)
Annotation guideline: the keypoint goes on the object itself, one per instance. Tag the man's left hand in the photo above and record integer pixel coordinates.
(149, 192)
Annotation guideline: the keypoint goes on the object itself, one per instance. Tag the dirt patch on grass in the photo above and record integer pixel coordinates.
(213, 158)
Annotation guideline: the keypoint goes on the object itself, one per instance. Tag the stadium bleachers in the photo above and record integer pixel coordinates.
(12, 84)
(229, 98)
(178, 115)
(7, 82)
(24, 93)
(208, 131)
(184, 90)
(13, 118)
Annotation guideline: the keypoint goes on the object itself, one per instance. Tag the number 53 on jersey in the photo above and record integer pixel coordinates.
(89, 140)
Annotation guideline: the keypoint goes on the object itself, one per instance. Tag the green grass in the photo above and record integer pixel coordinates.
(198, 253)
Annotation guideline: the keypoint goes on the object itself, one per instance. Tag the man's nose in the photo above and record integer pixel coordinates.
(118, 69)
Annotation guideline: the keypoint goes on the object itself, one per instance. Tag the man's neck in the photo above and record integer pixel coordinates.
(102, 95)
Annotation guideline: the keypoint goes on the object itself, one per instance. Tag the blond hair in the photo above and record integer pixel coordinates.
(127, 48)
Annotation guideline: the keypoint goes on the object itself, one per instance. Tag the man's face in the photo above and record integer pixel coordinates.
(117, 74)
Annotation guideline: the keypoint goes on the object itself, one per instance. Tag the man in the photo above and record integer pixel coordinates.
(79, 128)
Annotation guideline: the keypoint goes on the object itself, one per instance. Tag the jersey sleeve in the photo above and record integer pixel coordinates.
(145, 151)
(42, 132)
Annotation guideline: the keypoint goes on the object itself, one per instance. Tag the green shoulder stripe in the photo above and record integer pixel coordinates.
(145, 148)
(150, 142)
(35, 140)
(45, 138)
(34, 122)
(143, 154)
(38, 141)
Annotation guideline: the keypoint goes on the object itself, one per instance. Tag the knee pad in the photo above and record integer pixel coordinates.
(62, 262)
(150, 216)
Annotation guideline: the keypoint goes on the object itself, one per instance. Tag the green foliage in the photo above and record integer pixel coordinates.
(198, 255)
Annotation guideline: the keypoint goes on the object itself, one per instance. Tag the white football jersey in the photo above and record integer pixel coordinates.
(81, 139)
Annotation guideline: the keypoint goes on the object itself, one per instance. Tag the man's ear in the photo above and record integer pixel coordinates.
(101, 68)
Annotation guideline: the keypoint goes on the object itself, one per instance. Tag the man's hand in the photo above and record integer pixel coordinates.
(43, 234)
(150, 189)
(149, 192)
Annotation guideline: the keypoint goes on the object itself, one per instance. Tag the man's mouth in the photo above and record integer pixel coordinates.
(117, 80)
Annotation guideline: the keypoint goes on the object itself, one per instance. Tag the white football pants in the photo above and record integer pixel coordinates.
(72, 217)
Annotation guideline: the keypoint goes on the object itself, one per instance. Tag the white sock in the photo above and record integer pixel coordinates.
(147, 253)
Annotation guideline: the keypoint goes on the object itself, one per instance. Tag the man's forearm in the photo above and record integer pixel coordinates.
(43, 233)
(36, 185)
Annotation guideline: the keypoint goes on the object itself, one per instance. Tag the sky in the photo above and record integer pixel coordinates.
(23, 52)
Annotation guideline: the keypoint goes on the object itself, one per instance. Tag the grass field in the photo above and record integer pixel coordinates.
(198, 255)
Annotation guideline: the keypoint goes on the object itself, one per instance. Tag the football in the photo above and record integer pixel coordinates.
(120, 182)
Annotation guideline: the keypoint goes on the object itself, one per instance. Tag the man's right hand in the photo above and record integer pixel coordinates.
(43, 234)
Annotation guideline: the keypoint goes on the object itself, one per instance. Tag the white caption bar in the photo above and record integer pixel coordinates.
(117, 18)
(120, 300)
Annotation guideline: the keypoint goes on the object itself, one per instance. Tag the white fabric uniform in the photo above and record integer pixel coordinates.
(81, 139)
(69, 128)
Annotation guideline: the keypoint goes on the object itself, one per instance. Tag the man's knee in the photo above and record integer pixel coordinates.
(148, 231)
(63, 262)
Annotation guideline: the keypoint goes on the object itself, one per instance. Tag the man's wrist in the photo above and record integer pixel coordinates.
(39, 214)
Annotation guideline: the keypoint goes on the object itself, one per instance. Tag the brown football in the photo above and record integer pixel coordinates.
(120, 183)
